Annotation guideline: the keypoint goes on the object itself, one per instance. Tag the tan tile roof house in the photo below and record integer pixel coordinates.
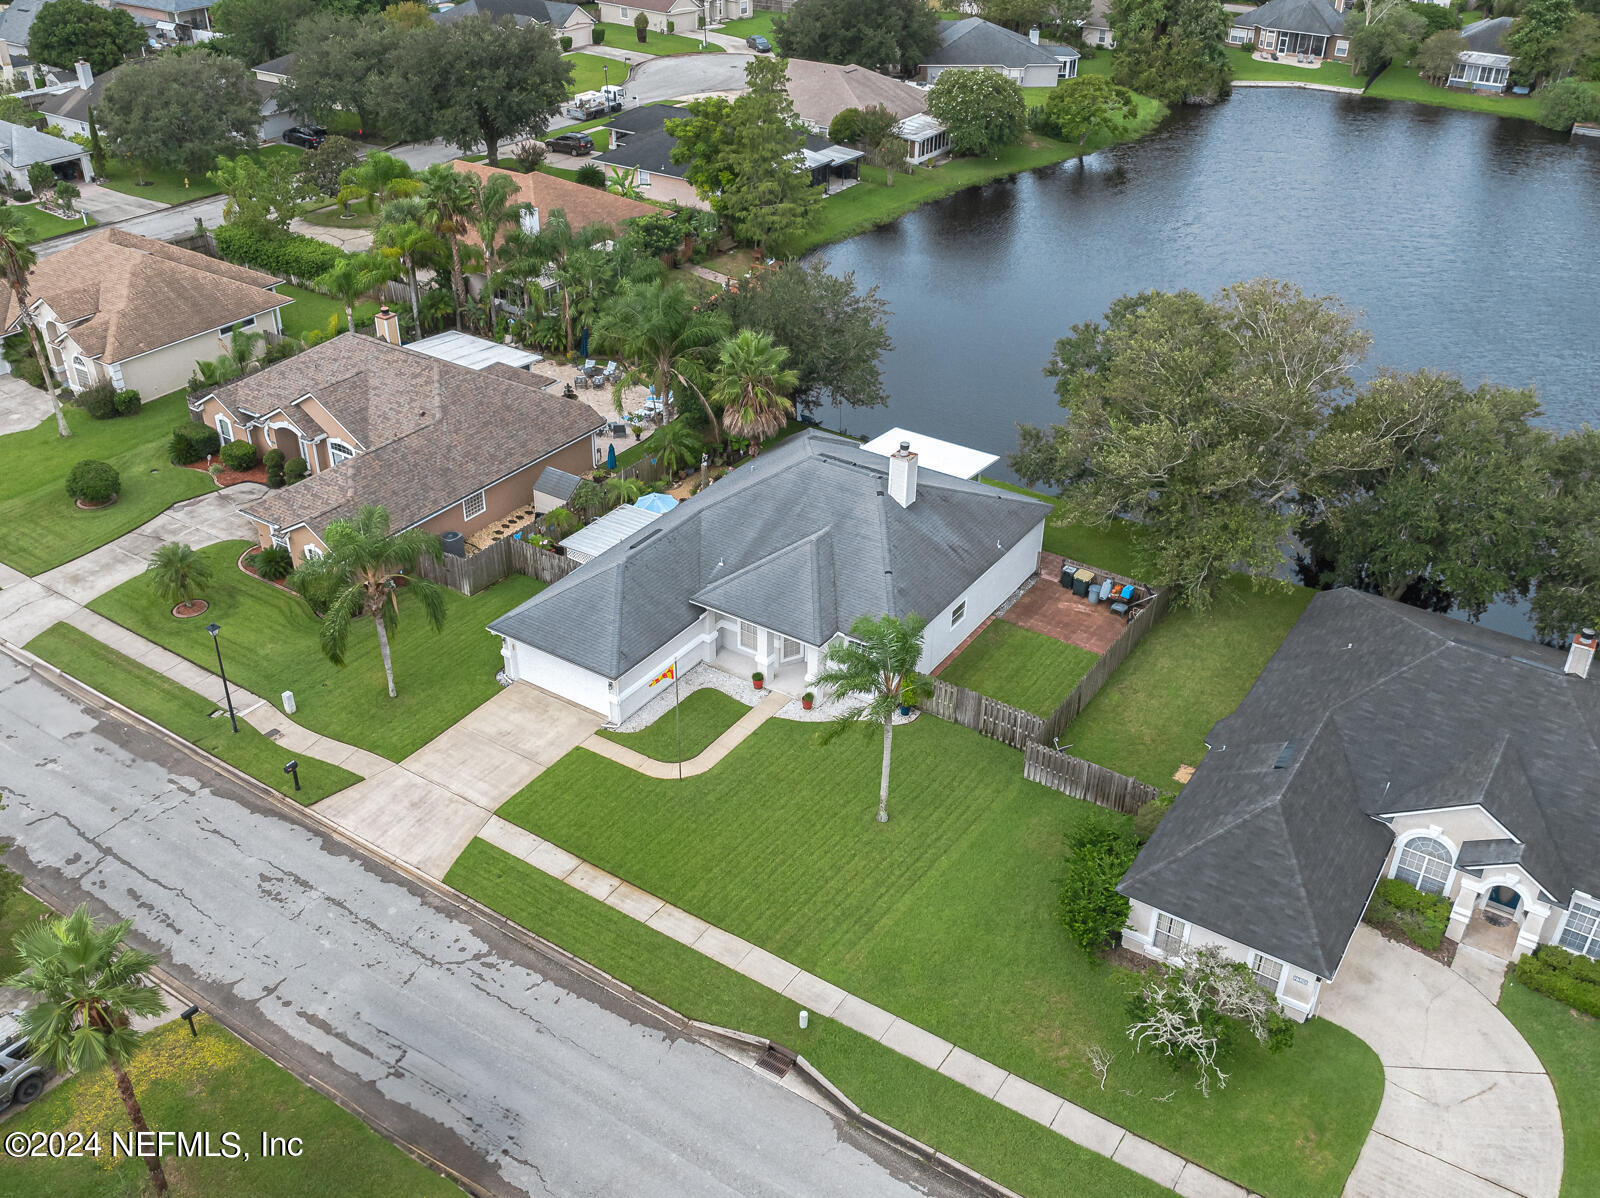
(139, 312)
(820, 91)
(583, 205)
(439, 445)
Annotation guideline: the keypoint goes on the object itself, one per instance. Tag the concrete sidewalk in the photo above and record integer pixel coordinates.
(713, 753)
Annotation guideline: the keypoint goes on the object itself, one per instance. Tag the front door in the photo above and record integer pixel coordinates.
(1504, 898)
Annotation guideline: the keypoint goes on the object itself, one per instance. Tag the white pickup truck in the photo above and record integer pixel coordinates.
(21, 1078)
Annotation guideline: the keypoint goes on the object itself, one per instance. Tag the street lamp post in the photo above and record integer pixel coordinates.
(605, 74)
(227, 695)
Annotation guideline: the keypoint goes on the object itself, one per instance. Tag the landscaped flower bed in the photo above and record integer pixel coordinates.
(1402, 912)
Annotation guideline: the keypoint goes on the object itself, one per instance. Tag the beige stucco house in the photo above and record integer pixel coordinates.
(139, 313)
(684, 14)
(564, 20)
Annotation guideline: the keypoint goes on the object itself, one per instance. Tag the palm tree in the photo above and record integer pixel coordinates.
(877, 668)
(89, 984)
(400, 235)
(620, 489)
(16, 259)
(178, 573)
(750, 385)
(657, 328)
(555, 243)
(378, 178)
(678, 446)
(560, 521)
(446, 197)
(360, 574)
(354, 277)
(493, 210)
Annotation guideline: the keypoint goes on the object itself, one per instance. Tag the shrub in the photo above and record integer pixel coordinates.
(528, 156)
(1098, 854)
(599, 35)
(1560, 105)
(590, 175)
(672, 27)
(289, 255)
(274, 460)
(846, 127)
(239, 455)
(294, 470)
(191, 442)
(178, 573)
(274, 564)
(100, 401)
(641, 26)
(566, 43)
(1565, 977)
(1149, 817)
(93, 482)
(28, 370)
(1420, 918)
(128, 402)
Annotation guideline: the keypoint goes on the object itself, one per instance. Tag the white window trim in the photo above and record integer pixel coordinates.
(224, 429)
(338, 452)
(310, 551)
(1257, 960)
(1578, 899)
(1428, 834)
(783, 649)
(755, 636)
(1237, 36)
(1341, 48)
(1156, 934)
(474, 506)
(958, 613)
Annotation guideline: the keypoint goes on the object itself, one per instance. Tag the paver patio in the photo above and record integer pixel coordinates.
(1048, 607)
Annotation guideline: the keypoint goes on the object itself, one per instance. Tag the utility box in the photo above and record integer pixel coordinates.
(288, 702)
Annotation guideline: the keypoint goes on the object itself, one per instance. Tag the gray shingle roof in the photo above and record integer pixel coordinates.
(1475, 854)
(1295, 16)
(647, 145)
(557, 482)
(973, 41)
(16, 19)
(1399, 710)
(21, 146)
(545, 12)
(803, 540)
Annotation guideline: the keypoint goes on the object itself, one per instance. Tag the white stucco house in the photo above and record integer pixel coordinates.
(771, 565)
(1383, 741)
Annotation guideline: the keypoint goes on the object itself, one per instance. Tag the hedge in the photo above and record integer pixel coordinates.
(1565, 977)
(100, 401)
(1420, 918)
(239, 455)
(288, 255)
(273, 460)
(191, 442)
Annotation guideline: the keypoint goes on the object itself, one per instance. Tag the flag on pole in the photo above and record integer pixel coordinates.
(666, 675)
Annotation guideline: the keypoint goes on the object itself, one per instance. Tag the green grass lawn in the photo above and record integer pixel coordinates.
(331, 218)
(174, 186)
(625, 38)
(1401, 82)
(269, 642)
(947, 917)
(20, 911)
(312, 311)
(215, 1082)
(1331, 74)
(41, 224)
(746, 26)
(1568, 1045)
(872, 202)
(589, 71)
(178, 709)
(942, 1113)
(41, 528)
(705, 715)
(1021, 667)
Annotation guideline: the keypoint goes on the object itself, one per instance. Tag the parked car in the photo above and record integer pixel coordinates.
(21, 1079)
(758, 43)
(309, 136)
(572, 143)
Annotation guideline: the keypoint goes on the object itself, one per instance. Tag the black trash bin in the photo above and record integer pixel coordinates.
(1080, 583)
(1066, 577)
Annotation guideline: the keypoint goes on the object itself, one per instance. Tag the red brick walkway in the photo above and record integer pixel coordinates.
(1049, 608)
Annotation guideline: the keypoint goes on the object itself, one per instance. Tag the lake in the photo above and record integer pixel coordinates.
(1466, 242)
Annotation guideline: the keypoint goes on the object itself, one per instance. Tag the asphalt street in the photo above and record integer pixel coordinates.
(512, 1068)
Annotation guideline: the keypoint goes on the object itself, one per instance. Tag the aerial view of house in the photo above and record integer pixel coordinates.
(976, 44)
(1308, 30)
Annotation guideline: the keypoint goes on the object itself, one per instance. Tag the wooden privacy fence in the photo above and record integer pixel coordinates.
(1144, 619)
(483, 569)
(996, 720)
(1085, 780)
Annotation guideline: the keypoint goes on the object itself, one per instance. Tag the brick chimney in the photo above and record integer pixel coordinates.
(1581, 653)
(387, 326)
(1033, 35)
(903, 475)
(85, 74)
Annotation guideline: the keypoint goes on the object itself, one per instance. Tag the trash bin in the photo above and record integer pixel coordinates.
(1066, 578)
(1081, 581)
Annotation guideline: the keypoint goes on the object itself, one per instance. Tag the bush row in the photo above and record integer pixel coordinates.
(1565, 977)
(1420, 918)
(191, 443)
(288, 255)
(103, 401)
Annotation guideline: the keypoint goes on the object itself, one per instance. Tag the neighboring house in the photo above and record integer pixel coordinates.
(770, 566)
(975, 44)
(1312, 29)
(564, 20)
(441, 446)
(70, 106)
(16, 19)
(1483, 66)
(276, 70)
(188, 21)
(1097, 28)
(21, 147)
(820, 91)
(139, 313)
(684, 14)
(1382, 741)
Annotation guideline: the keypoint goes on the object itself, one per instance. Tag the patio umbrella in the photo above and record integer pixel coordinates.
(611, 457)
(583, 343)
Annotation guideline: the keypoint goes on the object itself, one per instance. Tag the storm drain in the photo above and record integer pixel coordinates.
(777, 1060)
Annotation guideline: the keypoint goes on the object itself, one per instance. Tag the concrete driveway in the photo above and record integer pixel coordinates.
(686, 75)
(1468, 1111)
(22, 405)
(108, 206)
(425, 810)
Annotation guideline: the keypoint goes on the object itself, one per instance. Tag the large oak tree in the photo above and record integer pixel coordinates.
(873, 33)
(180, 111)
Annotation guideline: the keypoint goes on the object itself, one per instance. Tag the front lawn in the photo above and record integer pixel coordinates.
(270, 645)
(703, 716)
(174, 186)
(946, 916)
(330, 217)
(19, 912)
(1568, 1045)
(178, 709)
(40, 527)
(590, 71)
(746, 26)
(1328, 74)
(311, 311)
(214, 1083)
(942, 1113)
(41, 224)
(1021, 667)
(1401, 82)
(872, 202)
(626, 38)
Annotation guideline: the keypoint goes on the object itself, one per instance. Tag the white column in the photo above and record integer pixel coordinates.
(1466, 901)
(813, 663)
(1532, 930)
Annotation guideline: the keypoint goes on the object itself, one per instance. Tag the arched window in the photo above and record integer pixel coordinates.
(1425, 863)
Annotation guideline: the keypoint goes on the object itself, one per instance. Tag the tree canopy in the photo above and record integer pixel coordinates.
(181, 111)
(1388, 38)
(64, 31)
(1436, 57)
(255, 31)
(261, 193)
(982, 110)
(339, 60)
(1058, 19)
(871, 33)
(1089, 104)
(1173, 50)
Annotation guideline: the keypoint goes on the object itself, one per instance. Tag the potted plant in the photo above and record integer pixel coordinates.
(757, 679)
(806, 700)
(908, 698)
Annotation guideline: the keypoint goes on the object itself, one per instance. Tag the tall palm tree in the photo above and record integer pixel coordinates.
(400, 234)
(89, 984)
(557, 241)
(356, 276)
(492, 210)
(177, 572)
(16, 259)
(360, 576)
(874, 671)
(750, 385)
(446, 197)
(668, 343)
(378, 178)
(620, 489)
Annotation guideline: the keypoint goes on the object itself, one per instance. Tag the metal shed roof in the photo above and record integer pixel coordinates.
(613, 528)
(933, 454)
(473, 352)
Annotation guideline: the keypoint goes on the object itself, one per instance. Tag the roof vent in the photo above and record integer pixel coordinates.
(1581, 654)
